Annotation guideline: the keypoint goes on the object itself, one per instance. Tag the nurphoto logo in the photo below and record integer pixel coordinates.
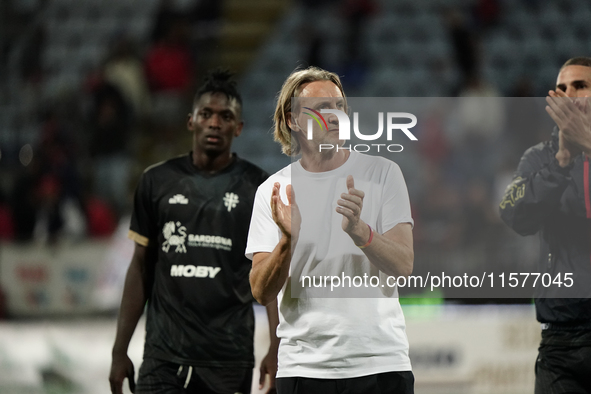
(345, 129)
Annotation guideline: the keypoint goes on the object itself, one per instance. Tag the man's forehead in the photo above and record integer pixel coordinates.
(316, 101)
(216, 100)
(573, 73)
(320, 89)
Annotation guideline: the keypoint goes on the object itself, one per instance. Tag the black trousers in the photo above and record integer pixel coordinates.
(163, 377)
(383, 383)
(564, 363)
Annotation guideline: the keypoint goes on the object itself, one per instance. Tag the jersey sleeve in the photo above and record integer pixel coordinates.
(396, 207)
(535, 192)
(263, 234)
(143, 229)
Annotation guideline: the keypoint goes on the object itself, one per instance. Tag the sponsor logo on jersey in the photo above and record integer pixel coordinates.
(194, 271)
(176, 235)
(178, 199)
(230, 201)
(210, 241)
(172, 238)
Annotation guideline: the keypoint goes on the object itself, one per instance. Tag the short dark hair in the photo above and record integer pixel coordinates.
(577, 61)
(219, 81)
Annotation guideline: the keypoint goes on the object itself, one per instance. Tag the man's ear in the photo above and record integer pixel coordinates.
(238, 130)
(290, 123)
(190, 122)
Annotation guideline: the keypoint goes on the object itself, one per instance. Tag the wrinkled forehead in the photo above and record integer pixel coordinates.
(320, 89)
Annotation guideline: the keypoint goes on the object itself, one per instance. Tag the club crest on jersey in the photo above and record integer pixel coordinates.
(173, 239)
(178, 199)
(230, 201)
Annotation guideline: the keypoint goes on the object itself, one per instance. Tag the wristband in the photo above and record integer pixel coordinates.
(369, 240)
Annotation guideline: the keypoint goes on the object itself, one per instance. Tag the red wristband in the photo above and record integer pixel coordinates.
(369, 240)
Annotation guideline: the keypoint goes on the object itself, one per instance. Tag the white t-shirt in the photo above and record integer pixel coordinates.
(336, 338)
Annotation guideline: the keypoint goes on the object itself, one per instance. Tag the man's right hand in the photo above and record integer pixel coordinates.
(287, 217)
(121, 368)
(270, 270)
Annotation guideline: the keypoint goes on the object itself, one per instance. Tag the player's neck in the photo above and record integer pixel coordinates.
(325, 161)
(211, 162)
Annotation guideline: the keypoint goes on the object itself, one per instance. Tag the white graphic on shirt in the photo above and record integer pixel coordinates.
(172, 239)
(178, 199)
(230, 201)
(209, 241)
(198, 271)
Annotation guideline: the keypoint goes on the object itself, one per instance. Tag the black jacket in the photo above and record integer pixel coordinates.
(555, 202)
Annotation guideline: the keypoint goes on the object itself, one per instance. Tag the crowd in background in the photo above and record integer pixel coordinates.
(78, 179)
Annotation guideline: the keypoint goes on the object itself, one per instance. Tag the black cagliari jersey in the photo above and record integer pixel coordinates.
(200, 306)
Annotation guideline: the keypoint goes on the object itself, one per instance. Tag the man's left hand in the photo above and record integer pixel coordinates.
(573, 118)
(350, 205)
